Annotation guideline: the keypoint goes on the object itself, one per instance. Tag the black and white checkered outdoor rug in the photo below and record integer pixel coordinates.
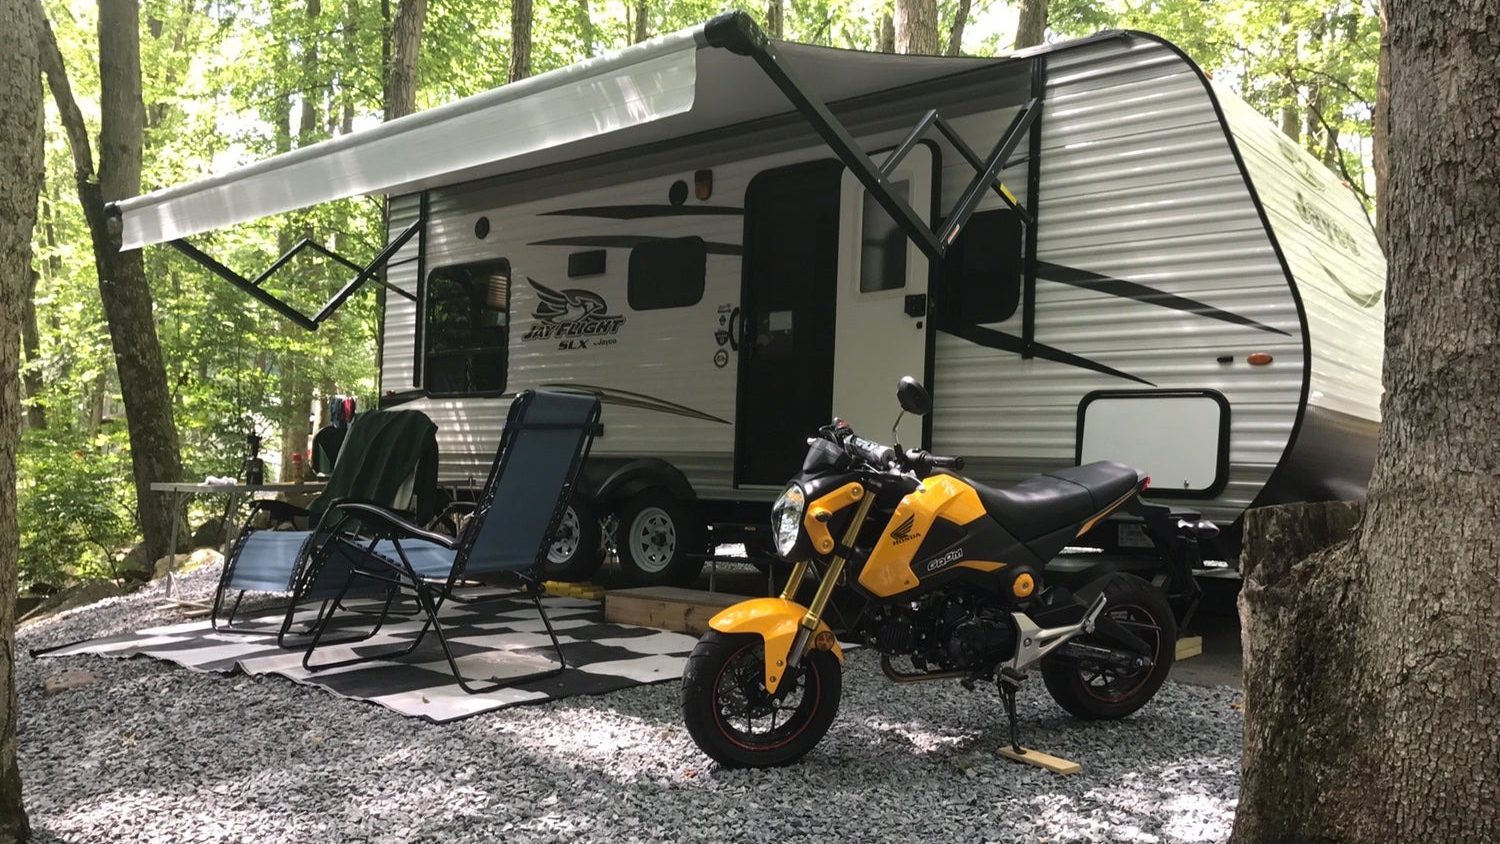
(492, 639)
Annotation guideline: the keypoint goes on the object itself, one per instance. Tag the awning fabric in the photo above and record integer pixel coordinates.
(651, 92)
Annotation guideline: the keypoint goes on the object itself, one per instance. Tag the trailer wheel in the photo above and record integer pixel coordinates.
(660, 539)
(577, 548)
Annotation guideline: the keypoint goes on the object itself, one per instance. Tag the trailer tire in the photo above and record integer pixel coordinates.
(660, 539)
(577, 548)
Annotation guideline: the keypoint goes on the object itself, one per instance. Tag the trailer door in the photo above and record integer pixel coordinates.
(881, 330)
(787, 301)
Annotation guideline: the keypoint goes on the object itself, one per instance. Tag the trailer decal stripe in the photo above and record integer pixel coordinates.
(641, 401)
(1010, 343)
(637, 212)
(630, 241)
(1142, 293)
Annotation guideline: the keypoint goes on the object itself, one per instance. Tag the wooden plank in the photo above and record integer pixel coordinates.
(666, 607)
(1041, 760)
(1189, 646)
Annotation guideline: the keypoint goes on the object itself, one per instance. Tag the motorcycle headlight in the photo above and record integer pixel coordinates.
(786, 519)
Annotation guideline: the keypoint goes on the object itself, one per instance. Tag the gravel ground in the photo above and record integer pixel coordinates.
(151, 752)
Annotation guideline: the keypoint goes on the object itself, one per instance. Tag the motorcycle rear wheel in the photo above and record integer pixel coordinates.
(736, 722)
(1097, 692)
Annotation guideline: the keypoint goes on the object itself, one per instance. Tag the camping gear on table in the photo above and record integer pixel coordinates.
(255, 468)
(390, 458)
(546, 438)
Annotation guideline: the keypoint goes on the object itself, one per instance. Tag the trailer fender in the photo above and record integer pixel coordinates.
(642, 474)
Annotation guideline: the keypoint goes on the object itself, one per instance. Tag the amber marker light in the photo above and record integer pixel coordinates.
(703, 184)
(1259, 358)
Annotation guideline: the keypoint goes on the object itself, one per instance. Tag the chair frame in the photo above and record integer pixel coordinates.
(377, 523)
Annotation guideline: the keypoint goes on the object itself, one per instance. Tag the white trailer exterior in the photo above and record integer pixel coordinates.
(1202, 298)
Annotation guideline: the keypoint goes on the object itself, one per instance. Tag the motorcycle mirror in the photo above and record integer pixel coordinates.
(913, 397)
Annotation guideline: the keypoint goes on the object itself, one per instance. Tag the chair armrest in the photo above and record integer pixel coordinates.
(453, 508)
(279, 511)
(378, 521)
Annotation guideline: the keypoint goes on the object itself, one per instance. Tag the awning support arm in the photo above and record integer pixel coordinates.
(739, 34)
(253, 287)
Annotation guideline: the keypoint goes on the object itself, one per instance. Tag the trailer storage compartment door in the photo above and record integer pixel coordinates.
(1178, 437)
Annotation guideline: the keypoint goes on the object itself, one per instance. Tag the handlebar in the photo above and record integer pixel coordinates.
(885, 457)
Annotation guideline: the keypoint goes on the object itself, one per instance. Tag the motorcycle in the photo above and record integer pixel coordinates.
(952, 573)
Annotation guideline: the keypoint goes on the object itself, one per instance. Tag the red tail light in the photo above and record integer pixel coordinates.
(1146, 483)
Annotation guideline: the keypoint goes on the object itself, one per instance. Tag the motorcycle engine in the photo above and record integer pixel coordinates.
(952, 632)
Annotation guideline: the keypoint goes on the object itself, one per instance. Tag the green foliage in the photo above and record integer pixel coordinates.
(73, 495)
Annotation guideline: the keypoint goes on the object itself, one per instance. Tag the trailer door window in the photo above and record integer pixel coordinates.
(981, 276)
(667, 273)
(468, 329)
(882, 245)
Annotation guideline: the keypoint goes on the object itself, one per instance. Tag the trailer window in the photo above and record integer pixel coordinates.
(882, 245)
(667, 273)
(468, 328)
(982, 272)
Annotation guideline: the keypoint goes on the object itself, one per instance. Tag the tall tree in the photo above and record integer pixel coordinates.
(1380, 127)
(916, 27)
(123, 288)
(31, 344)
(1031, 27)
(956, 32)
(520, 39)
(406, 46)
(775, 17)
(20, 181)
(1373, 667)
(639, 17)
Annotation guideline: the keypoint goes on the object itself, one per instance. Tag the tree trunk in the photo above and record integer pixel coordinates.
(20, 182)
(1031, 27)
(956, 34)
(1380, 125)
(123, 288)
(1381, 725)
(775, 17)
(916, 27)
(1291, 123)
(640, 33)
(31, 341)
(406, 46)
(885, 39)
(520, 39)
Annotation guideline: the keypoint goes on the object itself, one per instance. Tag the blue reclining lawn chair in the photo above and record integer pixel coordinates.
(546, 438)
(390, 458)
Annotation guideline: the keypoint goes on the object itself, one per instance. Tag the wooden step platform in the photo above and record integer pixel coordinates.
(1189, 646)
(666, 607)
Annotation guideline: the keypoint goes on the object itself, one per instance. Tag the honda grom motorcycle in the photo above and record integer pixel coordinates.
(952, 573)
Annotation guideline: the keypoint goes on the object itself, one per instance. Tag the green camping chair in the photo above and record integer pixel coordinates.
(389, 458)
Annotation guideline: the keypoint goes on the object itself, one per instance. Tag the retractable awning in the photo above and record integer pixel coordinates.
(664, 88)
(721, 74)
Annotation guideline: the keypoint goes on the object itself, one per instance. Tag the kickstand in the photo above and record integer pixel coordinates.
(1008, 696)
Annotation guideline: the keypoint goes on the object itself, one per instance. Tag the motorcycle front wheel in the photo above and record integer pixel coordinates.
(732, 717)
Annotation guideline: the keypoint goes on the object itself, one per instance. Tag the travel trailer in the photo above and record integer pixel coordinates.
(1086, 250)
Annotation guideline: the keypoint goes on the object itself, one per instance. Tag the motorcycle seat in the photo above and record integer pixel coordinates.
(1052, 501)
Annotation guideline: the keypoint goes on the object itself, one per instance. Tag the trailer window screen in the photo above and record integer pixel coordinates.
(882, 245)
(467, 329)
(982, 272)
(667, 273)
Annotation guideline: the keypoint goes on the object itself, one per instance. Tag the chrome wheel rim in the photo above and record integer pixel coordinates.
(565, 542)
(653, 539)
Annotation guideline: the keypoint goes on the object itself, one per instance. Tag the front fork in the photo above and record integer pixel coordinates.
(826, 586)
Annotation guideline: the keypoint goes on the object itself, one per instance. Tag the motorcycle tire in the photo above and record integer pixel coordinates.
(1097, 695)
(577, 548)
(727, 669)
(660, 539)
